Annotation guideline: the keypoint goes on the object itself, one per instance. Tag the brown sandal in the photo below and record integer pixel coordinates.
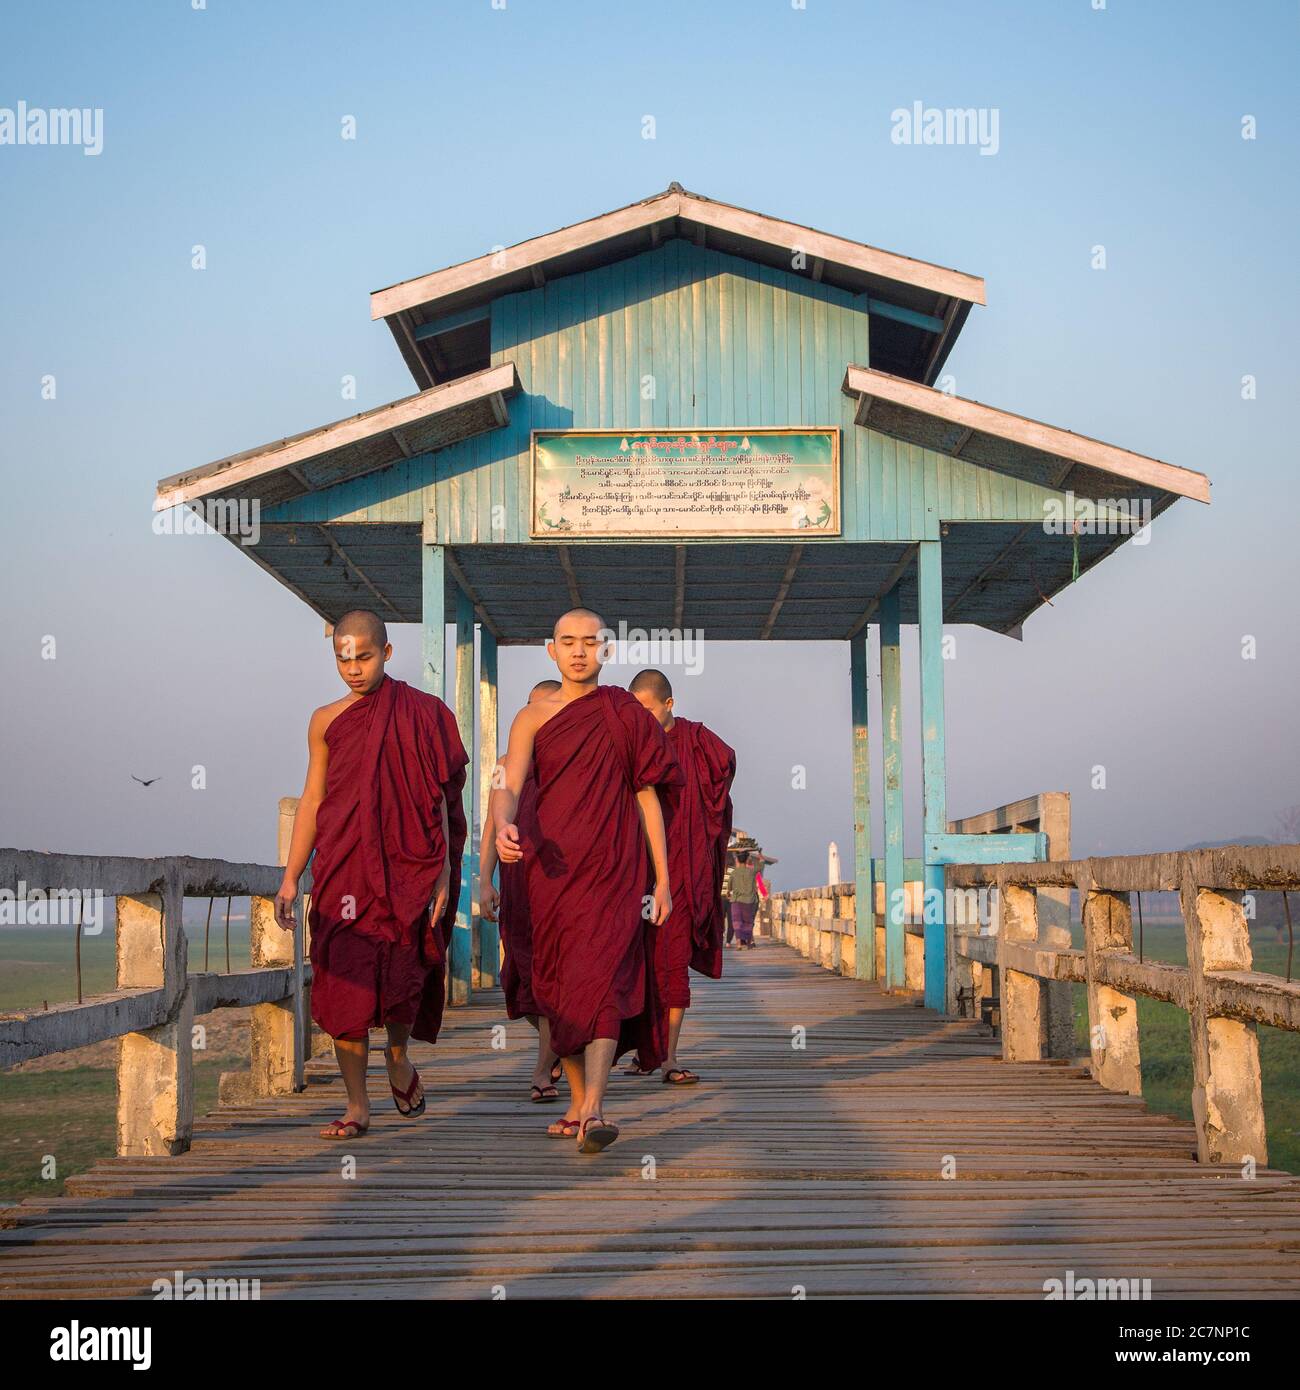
(595, 1133)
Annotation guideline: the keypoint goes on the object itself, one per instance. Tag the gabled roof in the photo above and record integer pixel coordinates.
(922, 307)
(997, 439)
(349, 448)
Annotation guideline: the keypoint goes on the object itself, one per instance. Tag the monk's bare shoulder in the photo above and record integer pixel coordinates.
(322, 718)
(534, 715)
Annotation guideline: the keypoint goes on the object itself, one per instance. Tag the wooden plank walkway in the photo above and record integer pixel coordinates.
(816, 1168)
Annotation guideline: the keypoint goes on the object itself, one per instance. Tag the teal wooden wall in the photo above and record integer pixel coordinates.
(676, 336)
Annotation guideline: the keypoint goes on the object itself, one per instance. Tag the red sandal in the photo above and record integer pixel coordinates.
(403, 1098)
(344, 1129)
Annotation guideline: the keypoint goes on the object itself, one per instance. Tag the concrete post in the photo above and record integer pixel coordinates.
(275, 1038)
(155, 1067)
(1227, 1094)
(1112, 1015)
(1024, 997)
(1054, 926)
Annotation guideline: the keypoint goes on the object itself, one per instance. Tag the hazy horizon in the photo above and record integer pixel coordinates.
(221, 128)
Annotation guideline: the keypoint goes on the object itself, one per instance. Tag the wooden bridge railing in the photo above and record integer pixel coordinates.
(157, 998)
(1023, 960)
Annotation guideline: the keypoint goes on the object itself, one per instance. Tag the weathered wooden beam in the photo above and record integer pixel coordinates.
(889, 585)
(864, 889)
(333, 542)
(783, 589)
(458, 574)
(489, 933)
(434, 619)
(891, 736)
(929, 567)
(947, 848)
(462, 936)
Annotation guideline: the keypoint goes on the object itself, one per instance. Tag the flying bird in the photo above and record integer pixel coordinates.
(142, 782)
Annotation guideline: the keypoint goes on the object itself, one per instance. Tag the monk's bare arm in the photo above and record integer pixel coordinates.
(303, 840)
(487, 850)
(439, 904)
(652, 825)
(489, 900)
(514, 767)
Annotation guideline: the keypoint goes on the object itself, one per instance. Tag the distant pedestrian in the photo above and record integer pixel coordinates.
(743, 895)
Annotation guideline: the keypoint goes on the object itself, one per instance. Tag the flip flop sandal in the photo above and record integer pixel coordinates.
(687, 1077)
(557, 1071)
(567, 1129)
(344, 1129)
(594, 1134)
(403, 1098)
(541, 1095)
(636, 1069)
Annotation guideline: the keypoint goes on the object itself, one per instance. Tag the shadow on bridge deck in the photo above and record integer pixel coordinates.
(816, 1168)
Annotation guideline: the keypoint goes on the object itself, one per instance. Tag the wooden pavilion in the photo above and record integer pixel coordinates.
(689, 416)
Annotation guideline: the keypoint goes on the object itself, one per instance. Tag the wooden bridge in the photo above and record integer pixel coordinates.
(845, 1142)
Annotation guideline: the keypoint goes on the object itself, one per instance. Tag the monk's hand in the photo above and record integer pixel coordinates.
(663, 900)
(439, 909)
(508, 850)
(284, 902)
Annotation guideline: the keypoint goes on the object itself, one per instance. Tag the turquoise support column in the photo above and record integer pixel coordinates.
(864, 888)
(489, 934)
(462, 936)
(434, 620)
(933, 764)
(891, 733)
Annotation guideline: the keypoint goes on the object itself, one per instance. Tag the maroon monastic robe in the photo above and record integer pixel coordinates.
(589, 870)
(513, 917)
(395, 756)
(699, 825)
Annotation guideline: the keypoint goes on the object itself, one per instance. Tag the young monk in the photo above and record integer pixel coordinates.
(599, 760)
(510, 906)
(698, 819)
(382, 809)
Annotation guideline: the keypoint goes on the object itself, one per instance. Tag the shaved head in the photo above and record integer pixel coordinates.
(362, 623)
(580, 613)
(653, 683)
(543, 688)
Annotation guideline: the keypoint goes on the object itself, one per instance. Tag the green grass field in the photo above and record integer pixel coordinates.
(71, 1114)
(1167, 1051)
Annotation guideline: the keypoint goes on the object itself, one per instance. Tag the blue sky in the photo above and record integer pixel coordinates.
(479, 126)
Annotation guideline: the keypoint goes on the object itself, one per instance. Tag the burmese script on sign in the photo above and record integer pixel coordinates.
(659, 483)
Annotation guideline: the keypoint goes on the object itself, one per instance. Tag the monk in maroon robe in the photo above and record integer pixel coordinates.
(509, 907)
(382, 811)
(698, 819)
(596, 864)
